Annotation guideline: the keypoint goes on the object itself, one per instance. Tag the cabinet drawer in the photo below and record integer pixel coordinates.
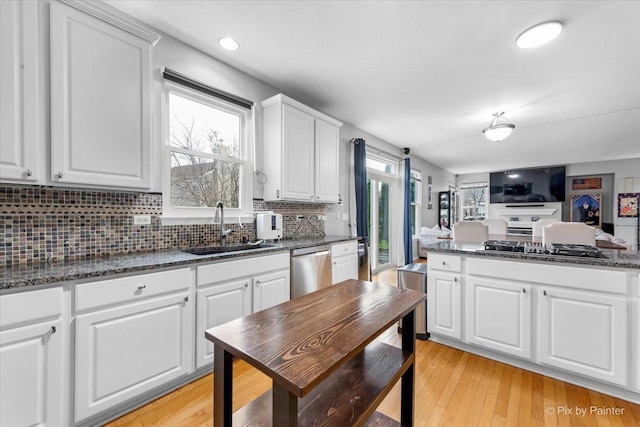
(587, 278)
(124, 289)
(246, 267)
(347, 248)
(444, 262)
(30, 306)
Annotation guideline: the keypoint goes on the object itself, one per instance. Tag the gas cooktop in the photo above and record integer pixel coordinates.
(575, 250)
(564, 249)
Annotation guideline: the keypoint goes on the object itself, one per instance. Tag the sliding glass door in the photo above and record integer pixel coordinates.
(381, 242)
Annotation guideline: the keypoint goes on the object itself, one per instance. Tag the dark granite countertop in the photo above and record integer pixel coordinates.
(29, 275)
(612, 258)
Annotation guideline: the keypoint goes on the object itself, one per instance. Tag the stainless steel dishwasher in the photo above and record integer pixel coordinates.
(310, 270)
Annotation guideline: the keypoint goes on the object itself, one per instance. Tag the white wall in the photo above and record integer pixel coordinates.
(619, 169)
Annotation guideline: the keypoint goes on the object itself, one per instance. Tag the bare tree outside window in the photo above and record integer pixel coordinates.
(205, 154)
(474, 201)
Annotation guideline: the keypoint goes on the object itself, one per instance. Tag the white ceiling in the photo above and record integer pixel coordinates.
(429, 74)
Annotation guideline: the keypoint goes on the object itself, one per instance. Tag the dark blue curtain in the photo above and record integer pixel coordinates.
(360, 171)
(408, 243)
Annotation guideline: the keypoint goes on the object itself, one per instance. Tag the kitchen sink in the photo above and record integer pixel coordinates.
(211, 250)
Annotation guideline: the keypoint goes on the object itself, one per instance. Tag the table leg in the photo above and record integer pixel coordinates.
(285, 407)
(222, 387)
(407, 382)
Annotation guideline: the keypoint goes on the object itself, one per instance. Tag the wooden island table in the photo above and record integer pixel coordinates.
(319, 349)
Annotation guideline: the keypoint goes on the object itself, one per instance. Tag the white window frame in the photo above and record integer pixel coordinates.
(418, 202)
(205, 215)
(465, 186)
(393, 179)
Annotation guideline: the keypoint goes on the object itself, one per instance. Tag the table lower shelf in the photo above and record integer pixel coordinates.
(348, 397)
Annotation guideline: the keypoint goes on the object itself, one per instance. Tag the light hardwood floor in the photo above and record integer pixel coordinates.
(453, 388)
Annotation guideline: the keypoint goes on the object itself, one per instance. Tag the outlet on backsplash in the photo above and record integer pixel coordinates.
(141, 219)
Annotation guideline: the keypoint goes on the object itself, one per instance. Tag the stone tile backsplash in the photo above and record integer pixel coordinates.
(39, 223)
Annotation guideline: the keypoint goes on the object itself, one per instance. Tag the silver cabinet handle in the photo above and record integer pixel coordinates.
(141, 287)
(246, 285)
(524, 291)
(186, 299)
(29, 172)
(444, 263)
(455, 279)
(60, 175)
(53, 329)
(544, 293)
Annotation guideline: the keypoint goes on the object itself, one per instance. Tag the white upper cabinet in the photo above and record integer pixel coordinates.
(327, 162)
(300, 152)
(100, 97)
(19, 112)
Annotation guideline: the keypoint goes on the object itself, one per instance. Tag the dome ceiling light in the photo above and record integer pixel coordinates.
(228, 43)
(539, 34)
(499, 129)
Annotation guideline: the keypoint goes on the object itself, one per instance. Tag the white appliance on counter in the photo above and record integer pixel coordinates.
(269, 226)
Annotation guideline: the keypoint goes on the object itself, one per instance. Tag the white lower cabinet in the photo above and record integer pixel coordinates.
(232, 289)
(344, 262)
(217, 305)
(134, 346)
(444, 304)
(585, 333)
(32, 353)
(271, 289)
(498, 315)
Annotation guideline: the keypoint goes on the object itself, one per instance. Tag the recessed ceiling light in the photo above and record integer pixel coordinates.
(228, 43)
(539, 34)
(513, 175)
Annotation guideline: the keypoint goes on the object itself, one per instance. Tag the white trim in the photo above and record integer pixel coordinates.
(280, 98)
(114, 17)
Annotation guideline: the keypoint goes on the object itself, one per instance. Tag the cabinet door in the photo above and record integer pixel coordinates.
(100, 102)
(584, 333)
(298, 154)
(444, 304)
(343, 268)
(271, 289)
(127, 350)
(19, 118)
(219, 304)
(498, 316)
(327, 162)
(637, 357)
(30, 375)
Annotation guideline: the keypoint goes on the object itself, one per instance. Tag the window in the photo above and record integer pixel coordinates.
(416, 201)
(383, 188)
(474, 201)
(208, 155)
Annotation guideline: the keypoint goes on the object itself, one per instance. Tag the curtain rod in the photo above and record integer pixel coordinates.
(379, 151)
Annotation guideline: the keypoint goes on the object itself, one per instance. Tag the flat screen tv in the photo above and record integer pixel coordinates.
(528, 185)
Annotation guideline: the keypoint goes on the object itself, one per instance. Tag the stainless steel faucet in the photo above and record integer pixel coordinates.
(220, 218)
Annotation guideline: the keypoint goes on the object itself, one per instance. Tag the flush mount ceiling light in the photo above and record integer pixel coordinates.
(499, 129)
(539, 34)
(228, 43)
